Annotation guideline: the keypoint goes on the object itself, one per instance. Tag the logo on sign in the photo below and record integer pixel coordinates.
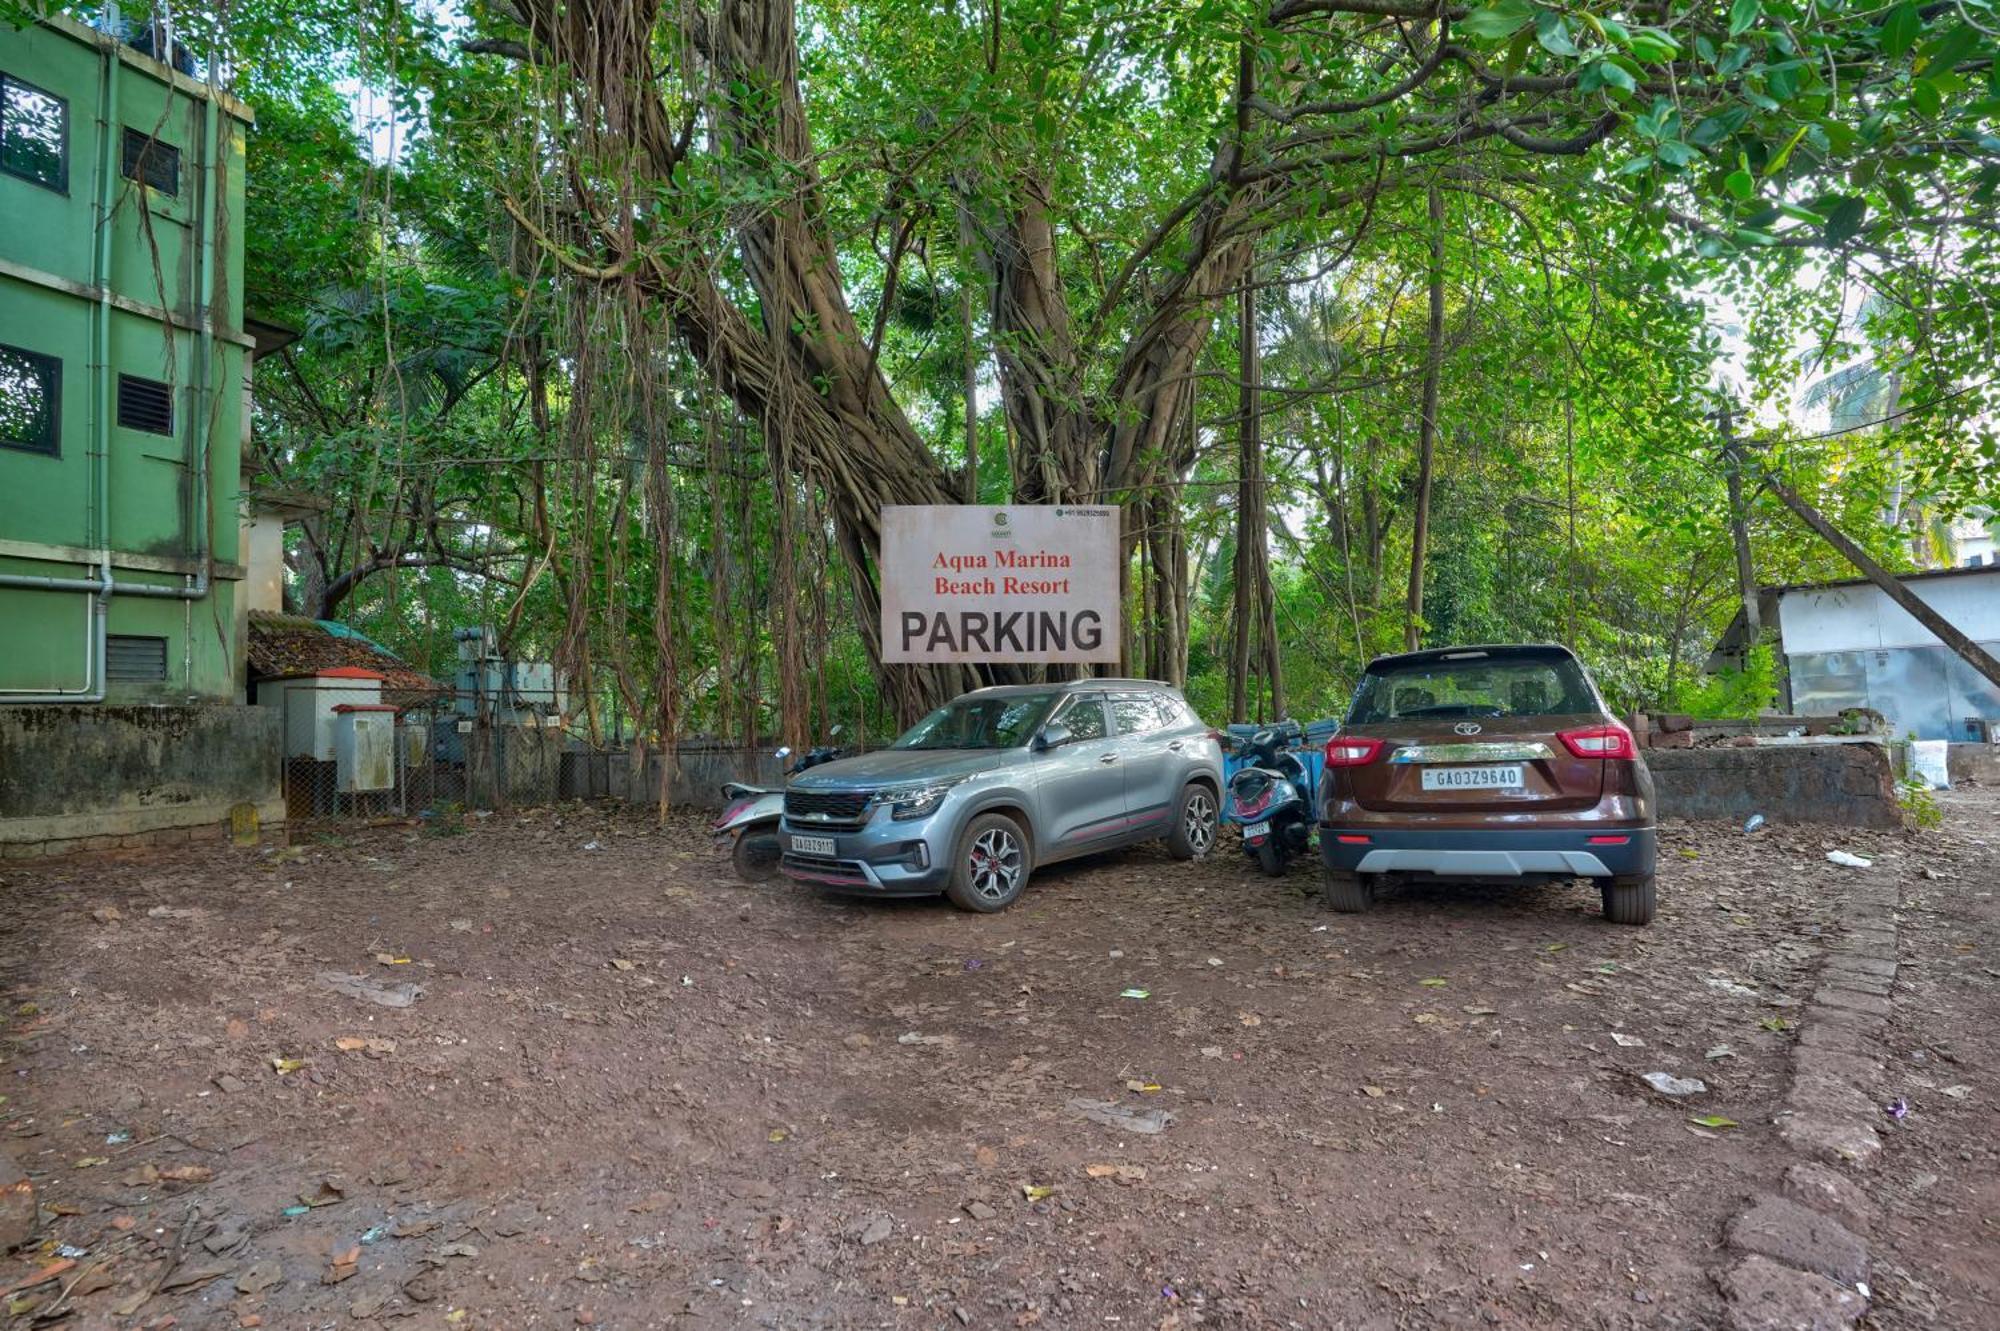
(1466, 728)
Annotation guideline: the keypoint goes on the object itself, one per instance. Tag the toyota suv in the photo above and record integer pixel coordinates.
(1485, 763)
(1000, 781)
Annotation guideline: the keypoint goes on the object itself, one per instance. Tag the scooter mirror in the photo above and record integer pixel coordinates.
(835, 732)
(784, 752)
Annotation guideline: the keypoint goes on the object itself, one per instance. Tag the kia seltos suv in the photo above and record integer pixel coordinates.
(998, 782)
(1495, 762)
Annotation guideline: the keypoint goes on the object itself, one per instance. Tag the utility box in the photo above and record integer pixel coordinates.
(364, 747)
(311, 702)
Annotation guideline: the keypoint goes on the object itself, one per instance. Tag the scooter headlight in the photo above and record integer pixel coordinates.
(910, 802)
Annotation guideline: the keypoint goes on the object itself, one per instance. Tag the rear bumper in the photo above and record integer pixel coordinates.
(1483, 853)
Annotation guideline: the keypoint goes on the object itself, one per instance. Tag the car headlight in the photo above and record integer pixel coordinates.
(916, 801)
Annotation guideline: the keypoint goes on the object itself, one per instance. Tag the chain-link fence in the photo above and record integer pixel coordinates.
(351, 754)
(353, 751)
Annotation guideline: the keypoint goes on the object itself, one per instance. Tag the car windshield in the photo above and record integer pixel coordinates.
(980, 723)
(1473, 686)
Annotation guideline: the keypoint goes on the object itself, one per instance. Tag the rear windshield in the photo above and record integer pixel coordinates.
(1474, 686)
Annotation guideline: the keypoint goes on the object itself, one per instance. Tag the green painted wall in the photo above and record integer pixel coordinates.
(174, 501)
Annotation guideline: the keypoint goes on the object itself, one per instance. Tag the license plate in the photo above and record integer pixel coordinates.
(1473, 778)
(812, 845)
(1257, 830)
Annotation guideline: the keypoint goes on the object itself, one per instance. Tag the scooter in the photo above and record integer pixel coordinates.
(1270, 797)
(749, 821)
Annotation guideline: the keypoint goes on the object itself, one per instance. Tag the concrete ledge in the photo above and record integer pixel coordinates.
(1973, 762)
(92, 777)
(1849, 785)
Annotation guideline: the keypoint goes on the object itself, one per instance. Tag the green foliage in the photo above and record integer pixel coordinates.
(555, 461)
(1736, 693)
(1918, 803)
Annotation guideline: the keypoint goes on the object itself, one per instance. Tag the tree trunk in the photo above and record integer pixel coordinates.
(1739, 532)
(1249, 497)
(1427, 428)
(1975, 656)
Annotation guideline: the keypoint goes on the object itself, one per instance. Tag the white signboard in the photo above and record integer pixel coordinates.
(977, 583)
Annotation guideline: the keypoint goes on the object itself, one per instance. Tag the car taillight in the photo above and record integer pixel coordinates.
(1612, 741)
(1351, 751)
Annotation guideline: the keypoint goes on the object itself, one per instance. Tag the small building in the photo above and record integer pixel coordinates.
(124, 374)
(1846, 644)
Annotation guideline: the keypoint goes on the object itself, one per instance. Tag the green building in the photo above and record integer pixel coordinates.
(124, 376)
(123, 364)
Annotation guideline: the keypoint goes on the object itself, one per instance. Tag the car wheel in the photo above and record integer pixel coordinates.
(1348, 892)
(755, 855)
(1630, 900)
(1271, 858)
(1193, 834)
(992, 865)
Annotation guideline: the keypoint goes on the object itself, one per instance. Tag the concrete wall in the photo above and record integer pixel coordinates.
(94, 777)
(1846, 785)
(1974, 762)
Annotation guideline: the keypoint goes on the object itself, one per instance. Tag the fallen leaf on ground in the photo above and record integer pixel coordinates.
(1433, 983)
(1373, 1092)
(1035, 1192)
(1714, 1121)
(622, 964)
(282, 1065)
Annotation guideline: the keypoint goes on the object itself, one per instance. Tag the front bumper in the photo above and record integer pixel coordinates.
(880, 858)
(1602, 852)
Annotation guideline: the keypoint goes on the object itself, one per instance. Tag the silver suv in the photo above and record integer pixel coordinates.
(977, 794)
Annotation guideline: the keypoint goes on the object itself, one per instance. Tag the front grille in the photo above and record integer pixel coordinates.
(817, 869)
(827, 807)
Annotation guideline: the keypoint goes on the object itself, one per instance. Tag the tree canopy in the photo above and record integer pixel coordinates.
(1383, 321)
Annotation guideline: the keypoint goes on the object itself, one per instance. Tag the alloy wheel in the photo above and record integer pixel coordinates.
(1199, 816)
(996, 864)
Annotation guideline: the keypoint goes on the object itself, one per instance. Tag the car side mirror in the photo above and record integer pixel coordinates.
(783, 753)
(1054, 735)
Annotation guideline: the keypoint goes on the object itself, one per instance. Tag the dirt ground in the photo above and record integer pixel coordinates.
(633, 1093)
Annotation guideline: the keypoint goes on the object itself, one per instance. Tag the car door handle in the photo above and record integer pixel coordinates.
(1176, 745)
(1108, 759)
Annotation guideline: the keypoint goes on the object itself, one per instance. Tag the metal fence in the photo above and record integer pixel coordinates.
(353, 752)
(349, 754)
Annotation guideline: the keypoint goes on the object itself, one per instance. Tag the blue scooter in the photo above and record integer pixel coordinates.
(1270, 796)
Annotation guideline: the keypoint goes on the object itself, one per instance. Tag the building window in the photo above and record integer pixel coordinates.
(34, 134)
(30, 394)
(152, 163)
(134, 660)
(145, 404)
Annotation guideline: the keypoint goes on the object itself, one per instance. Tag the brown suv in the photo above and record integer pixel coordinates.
(1485, 762)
